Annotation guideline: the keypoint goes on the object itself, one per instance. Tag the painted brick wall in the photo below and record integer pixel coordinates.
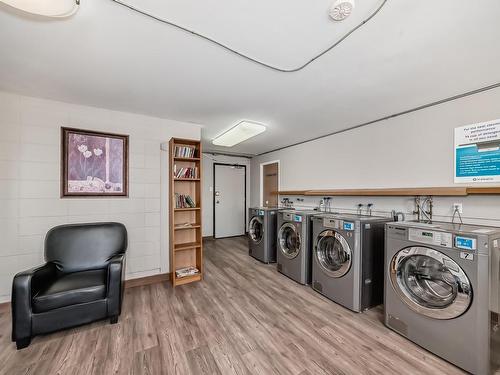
(30, 201)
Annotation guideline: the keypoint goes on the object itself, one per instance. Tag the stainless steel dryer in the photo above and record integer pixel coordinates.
(294, 244)
(348, 259)
(262, 233)
(441, 290)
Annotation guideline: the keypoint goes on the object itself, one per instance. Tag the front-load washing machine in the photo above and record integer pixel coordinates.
(441, 290)
(348, 259)
(294, 244)
(262, 233)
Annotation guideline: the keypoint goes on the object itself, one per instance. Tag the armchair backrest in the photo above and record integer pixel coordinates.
(77, 247)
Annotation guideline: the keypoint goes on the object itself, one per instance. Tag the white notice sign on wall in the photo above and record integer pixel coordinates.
(477, 152)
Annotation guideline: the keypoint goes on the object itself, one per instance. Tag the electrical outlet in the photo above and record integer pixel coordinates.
(458, 207)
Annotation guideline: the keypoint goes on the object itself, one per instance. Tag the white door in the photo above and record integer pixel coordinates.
(229, 202)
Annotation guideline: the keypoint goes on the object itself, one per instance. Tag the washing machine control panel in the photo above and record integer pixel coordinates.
(465, 243)
(292, 217)
(431, 237)
(338, 224)
(348, 225)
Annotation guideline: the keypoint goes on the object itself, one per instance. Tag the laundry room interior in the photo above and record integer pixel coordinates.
(285, 188)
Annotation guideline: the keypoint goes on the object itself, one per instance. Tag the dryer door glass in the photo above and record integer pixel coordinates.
(289, 240)
(430, 283)
(333, 253)
(256, 229)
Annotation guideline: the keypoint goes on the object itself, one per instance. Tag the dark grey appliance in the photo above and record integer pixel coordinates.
(441, 290)
(294, 244)
(348, 259)
(262, 233)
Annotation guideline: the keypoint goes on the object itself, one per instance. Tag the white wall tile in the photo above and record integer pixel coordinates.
(126, 205)
(137, 249)
(130, 220)
(42, 207)
(152, 233)
(39, 171)
(136, 190)
(39, 225)
(152, 219)
(39, 189)
(36, 152)
(9, 189)
(40, 135)
(152, 161)
(30, 244)
(10, 133)
(152, 190)
(136, 160)
(152, 205)
(9, 208)
(9, 151)
(87, 206)
(8, 233)
(8, 170)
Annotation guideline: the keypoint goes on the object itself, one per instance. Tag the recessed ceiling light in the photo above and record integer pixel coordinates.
(46, 8)
(341, 9)
(240, 132)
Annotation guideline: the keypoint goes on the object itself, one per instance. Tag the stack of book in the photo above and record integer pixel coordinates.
(186, 271)
(184, 201)
(185, 172)
(184, 152)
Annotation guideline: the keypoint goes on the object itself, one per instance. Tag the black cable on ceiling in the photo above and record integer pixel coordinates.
(424, 106)
(249, 58)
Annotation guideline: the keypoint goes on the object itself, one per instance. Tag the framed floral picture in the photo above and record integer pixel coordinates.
(93, 164)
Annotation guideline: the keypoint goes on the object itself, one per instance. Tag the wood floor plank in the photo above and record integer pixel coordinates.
(243, 318)
(201, 361)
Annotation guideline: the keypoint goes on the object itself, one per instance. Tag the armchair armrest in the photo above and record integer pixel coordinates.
(24, 286)
(116, 276)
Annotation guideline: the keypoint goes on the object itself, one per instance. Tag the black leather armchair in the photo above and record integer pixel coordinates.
(81, 282)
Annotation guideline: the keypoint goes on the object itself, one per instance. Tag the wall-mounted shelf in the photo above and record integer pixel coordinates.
(186, 247)
(460, 191)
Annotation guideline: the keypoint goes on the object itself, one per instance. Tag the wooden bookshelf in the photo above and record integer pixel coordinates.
(186, 247)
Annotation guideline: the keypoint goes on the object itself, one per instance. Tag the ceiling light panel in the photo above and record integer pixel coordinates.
(240, 132)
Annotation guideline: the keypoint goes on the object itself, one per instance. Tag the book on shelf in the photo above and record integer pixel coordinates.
(185, 172)
(184, 225)
(184, 151)
(186, 271)
(184, 201)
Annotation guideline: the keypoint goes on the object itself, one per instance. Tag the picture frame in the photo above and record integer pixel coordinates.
(93, 163)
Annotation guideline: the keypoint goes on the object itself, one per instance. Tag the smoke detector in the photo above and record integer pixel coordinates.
(341, 9)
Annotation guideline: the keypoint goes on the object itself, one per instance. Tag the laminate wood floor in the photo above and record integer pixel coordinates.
(244, 318)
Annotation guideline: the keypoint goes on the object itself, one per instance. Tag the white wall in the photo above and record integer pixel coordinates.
(30, 201)
(414, 150)
(208, 181)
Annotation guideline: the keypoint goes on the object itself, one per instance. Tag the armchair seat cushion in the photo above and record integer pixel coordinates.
(71, 289)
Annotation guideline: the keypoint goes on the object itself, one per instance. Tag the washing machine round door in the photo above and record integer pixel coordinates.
(333, 253)
(289, 240)
(430, 283)
(256, 229)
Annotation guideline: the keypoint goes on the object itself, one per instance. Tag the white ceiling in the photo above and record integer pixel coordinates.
(411, 53)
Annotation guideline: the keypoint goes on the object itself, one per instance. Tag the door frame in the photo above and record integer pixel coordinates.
(262, 179)
(245, 194)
